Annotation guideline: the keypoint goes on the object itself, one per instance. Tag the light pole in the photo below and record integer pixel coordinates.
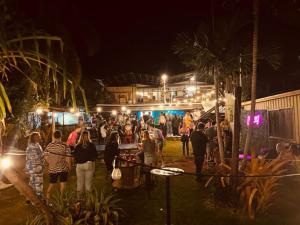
(164, 78)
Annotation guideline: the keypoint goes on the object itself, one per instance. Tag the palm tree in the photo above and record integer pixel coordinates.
(214, 52)
(33, 55)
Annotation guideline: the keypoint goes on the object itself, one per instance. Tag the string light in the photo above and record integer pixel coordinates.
(39, 111)
(5, 163)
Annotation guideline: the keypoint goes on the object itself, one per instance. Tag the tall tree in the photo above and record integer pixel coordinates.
(253, 78)
(216, 53)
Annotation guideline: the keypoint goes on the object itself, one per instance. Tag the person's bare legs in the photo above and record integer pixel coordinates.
(49, 190)
(62, 187)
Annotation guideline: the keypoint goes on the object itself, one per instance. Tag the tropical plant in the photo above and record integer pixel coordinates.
(100, 208)
(257, 193)
(103, 208)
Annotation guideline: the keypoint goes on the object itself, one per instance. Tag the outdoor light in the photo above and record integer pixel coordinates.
(191, 88)
(164, 77)
(114, 112)
(39, 111)
(72, 110)
(128, 111)
(192, 78)
(123, 108)
(5, 163)
(99, 109)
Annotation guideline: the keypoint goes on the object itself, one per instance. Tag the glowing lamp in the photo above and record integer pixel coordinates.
(77, 114)
(128, 111)
(72, 110)
(114, 112)
(192, 78)
(164, 77)
(99, 109)
(5, 163)
(123, 108)
(39, 111)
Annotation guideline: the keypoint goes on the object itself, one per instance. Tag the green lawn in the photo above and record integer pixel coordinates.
(191, 203)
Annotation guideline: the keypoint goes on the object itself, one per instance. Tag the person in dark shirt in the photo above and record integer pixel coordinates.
(85, 155)
(199, 141)
(111, 150)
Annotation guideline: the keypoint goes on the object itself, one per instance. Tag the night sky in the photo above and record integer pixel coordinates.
(136, 36)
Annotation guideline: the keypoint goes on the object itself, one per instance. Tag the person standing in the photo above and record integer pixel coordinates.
(85, 156)
(34, 164)
(58, 157)
(199, 141)
(148, 148)
(111, 150)
(169, 125)
(162, 124)
(175, 125)
(185, 133)
(187, 120)
(73, 138)
(159, 140)
(103, 133)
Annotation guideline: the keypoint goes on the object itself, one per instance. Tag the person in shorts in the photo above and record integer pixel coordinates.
(58, 156)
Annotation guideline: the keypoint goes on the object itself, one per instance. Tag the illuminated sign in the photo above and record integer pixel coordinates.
(257, 120)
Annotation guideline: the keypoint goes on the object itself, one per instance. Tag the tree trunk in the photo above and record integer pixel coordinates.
(253, 79)
(236, 133)
(219, 134)
(27, 191)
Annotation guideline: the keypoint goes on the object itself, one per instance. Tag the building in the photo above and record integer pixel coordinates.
(182, 91)
(277, 118)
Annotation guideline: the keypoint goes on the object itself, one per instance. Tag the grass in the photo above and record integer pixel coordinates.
(191, 203)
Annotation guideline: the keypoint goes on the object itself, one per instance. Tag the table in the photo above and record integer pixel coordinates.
(168, 172)
(122, 147)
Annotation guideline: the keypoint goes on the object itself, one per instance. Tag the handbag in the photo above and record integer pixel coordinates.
(116, 173)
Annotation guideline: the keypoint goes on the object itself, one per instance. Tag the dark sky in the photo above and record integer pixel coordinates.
(122, 36)
(113, 37)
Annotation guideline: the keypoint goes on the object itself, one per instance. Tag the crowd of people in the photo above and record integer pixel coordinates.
(113, 131)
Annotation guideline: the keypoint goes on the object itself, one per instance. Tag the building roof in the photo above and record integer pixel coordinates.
(146, 79)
